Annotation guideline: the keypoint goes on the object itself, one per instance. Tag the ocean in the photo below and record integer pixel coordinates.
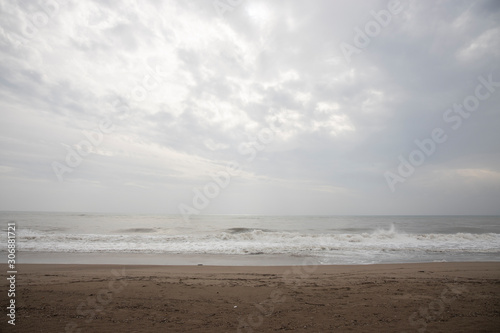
(43, 237)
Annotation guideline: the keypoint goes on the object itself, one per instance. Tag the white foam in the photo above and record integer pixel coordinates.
(258, 241)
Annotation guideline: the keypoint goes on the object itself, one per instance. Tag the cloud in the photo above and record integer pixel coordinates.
(185, 88)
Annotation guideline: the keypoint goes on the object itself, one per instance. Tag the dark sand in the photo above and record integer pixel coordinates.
(433, 297)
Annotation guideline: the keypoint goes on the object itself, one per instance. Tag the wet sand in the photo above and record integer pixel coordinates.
(431, 297)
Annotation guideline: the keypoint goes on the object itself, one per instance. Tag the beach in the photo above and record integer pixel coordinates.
(423, 297)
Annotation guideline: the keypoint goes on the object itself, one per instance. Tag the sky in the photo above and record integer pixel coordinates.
(250, 107)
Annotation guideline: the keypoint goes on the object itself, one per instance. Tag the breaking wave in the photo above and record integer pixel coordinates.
(256, 241)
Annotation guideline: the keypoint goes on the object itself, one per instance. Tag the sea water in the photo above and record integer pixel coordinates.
(43, 237)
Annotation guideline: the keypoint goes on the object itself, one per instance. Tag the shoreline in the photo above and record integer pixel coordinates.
(169, 259)
(459, 297)
(250, 267)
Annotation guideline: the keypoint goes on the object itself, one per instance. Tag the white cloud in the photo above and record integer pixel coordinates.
(185, 87)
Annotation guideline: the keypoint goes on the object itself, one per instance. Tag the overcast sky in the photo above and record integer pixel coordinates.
(317, 102)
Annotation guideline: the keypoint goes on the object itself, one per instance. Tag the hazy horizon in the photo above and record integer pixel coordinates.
(269, 215)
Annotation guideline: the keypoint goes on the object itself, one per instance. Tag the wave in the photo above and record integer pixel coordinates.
(138, 230)
(257, 241)
(244, 230)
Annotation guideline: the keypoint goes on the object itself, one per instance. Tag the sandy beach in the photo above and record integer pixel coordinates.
(431, 297)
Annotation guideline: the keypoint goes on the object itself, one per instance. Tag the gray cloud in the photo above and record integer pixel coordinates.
(185, 88)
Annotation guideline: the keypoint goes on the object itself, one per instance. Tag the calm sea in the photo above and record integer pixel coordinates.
(250, 240)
